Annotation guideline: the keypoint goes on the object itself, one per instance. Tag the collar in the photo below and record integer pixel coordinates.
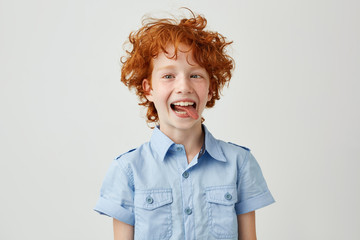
(160, 143)
(212, 146)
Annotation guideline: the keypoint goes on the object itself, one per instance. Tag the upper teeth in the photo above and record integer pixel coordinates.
(184, 103)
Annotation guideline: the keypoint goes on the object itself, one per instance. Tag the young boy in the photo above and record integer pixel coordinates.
(183, 183)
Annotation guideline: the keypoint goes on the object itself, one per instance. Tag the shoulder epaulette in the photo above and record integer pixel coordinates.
(247, 149)
(125, 153)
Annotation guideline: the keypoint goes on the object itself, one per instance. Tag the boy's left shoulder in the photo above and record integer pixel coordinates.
(243, 147)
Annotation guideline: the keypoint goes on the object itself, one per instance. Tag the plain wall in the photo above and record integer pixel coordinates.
(293, 100)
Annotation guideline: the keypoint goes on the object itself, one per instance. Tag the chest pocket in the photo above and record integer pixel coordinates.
(153, 214)
(221, 208)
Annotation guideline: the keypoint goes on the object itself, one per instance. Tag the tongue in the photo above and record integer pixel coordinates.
(191, 111)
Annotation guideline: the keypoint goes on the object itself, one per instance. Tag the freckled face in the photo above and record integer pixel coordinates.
(179, 89)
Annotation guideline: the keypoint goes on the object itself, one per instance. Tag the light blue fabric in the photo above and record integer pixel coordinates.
(154, 188)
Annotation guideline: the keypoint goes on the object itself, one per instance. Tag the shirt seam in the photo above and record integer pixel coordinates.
(244, 163)
(126, 171)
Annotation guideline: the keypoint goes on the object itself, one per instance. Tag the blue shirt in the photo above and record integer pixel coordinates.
(155, 189)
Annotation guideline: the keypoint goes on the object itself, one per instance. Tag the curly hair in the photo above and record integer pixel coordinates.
(208, 49)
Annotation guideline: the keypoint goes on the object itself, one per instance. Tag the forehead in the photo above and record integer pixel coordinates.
(172, 54)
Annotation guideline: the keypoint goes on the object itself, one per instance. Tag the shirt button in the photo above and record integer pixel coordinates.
(149, 200)
(185, 174)
(188, 211)
(228, 196)
(178, 149)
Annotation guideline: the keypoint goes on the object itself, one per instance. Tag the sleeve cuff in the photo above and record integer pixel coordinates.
(254, 203)
(108, 208)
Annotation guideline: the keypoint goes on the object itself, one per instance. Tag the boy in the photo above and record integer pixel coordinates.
(183, 183)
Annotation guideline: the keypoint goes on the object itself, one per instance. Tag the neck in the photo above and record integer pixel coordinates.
(192, 139)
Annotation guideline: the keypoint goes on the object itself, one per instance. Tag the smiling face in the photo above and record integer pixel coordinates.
(179, 89)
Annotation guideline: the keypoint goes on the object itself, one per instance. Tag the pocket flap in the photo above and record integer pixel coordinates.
(152, 198)
(225, 195)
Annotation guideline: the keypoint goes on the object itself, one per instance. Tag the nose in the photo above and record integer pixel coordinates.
(183, 85)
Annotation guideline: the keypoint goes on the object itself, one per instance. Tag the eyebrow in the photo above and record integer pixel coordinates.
(165, 67)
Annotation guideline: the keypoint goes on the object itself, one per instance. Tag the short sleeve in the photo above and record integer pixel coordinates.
(253, 192)
(117, 194)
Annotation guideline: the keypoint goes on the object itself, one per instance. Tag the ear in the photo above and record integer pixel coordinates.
(146, 86)
(210, 94)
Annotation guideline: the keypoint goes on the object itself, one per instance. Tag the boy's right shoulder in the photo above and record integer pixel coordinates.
(132, 154)
(125, 153)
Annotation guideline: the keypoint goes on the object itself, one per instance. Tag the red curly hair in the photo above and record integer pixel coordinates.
(155, 35)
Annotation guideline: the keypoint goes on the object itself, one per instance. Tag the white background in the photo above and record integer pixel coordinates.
(294, 100)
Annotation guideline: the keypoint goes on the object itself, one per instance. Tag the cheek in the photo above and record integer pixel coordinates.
(161, 98)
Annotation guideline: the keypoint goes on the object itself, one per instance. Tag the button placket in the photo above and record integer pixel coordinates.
(186, 191)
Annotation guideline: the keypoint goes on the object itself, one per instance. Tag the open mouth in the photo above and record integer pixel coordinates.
(182, 104)
(185, 109)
